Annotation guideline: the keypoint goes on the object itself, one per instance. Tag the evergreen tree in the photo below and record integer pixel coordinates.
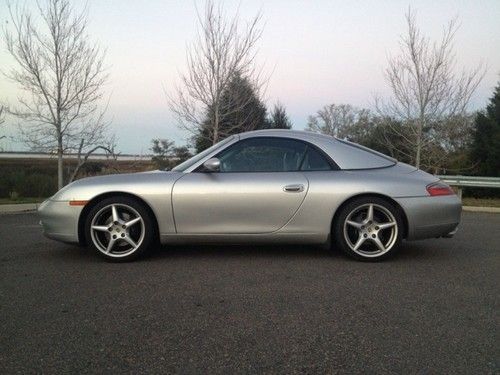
(243, 111)
(162, 149)
(166, 155)
(486, 144)
(279, 118)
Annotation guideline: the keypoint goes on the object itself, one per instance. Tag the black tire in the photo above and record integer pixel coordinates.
(371, 236)
(142, 232)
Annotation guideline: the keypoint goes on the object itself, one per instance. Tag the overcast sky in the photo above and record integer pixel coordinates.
(320, 52)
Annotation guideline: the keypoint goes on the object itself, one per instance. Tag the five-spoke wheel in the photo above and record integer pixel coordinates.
(119, 228)
(368, 228)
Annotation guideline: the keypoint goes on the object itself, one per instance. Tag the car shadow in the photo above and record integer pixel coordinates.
(233, 251)
(429, 249)
(410, 251)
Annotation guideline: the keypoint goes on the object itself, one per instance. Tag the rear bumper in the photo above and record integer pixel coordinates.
(430, 217)
(59, 220)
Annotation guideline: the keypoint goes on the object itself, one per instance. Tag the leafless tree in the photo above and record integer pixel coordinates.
(82, 156)
(222, 50)
(426, 87)
(449, 144)
(61, 75)
(337, 119)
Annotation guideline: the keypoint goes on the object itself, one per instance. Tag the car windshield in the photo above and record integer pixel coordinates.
(188, 163)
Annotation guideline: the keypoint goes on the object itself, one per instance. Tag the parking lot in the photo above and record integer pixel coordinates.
(240, 309)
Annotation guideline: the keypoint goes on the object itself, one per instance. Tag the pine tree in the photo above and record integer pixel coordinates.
(166, 155)
(486, 145)
(162, 148)
(279, 118)
(243, 111)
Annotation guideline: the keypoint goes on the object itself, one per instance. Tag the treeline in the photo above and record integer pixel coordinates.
(467, 144)
(447, 148)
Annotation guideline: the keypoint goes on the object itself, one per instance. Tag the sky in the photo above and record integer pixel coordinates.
(316, 53)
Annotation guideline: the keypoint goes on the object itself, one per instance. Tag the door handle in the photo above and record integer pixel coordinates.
(296, 188)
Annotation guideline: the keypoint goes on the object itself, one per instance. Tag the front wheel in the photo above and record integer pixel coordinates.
(369, 229)
(119, 229)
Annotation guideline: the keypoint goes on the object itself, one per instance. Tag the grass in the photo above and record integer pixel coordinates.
(481, 202)
(21, 200)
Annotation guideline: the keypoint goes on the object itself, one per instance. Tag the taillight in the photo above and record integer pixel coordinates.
(439, 188)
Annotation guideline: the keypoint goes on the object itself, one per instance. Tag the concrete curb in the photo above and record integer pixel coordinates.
(16, 208)
(495, 210)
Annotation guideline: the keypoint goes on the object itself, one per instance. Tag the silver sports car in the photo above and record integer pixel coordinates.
(267, 186)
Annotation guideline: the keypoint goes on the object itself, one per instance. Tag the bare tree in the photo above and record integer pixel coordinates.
(336, 120)
(61, 75)
(84, 152)
(222, 50)
(426, 87)
(447, 147)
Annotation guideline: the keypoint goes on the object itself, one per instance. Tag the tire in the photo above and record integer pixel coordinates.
(368, 237)
(120, 229)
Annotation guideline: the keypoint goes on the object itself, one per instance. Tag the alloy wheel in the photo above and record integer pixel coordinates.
(117, 230)
(370, 230)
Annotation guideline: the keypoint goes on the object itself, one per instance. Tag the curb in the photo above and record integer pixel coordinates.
(495, 210)
(18, 208)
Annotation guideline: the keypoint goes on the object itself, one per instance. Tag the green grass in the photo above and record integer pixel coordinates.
(21, 200)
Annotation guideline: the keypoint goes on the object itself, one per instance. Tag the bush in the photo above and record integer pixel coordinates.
(37, 178)
(27, 178)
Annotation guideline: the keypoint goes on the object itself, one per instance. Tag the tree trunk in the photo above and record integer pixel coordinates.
(420, 128)
(75, 172)
(215, 137)
(59, 163)
(417, 156)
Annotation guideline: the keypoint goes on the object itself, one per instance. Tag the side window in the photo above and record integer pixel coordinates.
(314, 161)
(263, 155)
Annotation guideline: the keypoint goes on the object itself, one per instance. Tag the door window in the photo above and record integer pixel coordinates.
(263, 155)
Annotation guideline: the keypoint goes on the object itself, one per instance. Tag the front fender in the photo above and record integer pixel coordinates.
(154, 188)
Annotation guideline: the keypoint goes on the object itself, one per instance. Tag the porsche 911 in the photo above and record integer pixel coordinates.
(259, 187)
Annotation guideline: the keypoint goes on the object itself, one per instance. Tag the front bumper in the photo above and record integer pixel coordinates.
(59, 220)
(430, 217)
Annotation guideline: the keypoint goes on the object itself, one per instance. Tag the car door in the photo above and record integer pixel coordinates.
(257, 190)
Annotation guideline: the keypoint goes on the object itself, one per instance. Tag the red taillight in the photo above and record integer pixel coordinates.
(439, 188)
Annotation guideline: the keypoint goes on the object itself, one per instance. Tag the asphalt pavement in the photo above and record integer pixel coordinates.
(250, 309)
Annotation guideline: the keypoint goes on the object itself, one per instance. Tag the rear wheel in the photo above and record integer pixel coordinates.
(369, 229)
(119, 229)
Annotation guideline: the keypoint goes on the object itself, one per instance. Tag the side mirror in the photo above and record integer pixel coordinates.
(213, 165)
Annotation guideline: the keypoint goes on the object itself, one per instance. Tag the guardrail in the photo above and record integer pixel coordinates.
(470, 181)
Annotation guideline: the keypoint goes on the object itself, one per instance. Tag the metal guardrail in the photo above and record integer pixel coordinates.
(470, 181)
